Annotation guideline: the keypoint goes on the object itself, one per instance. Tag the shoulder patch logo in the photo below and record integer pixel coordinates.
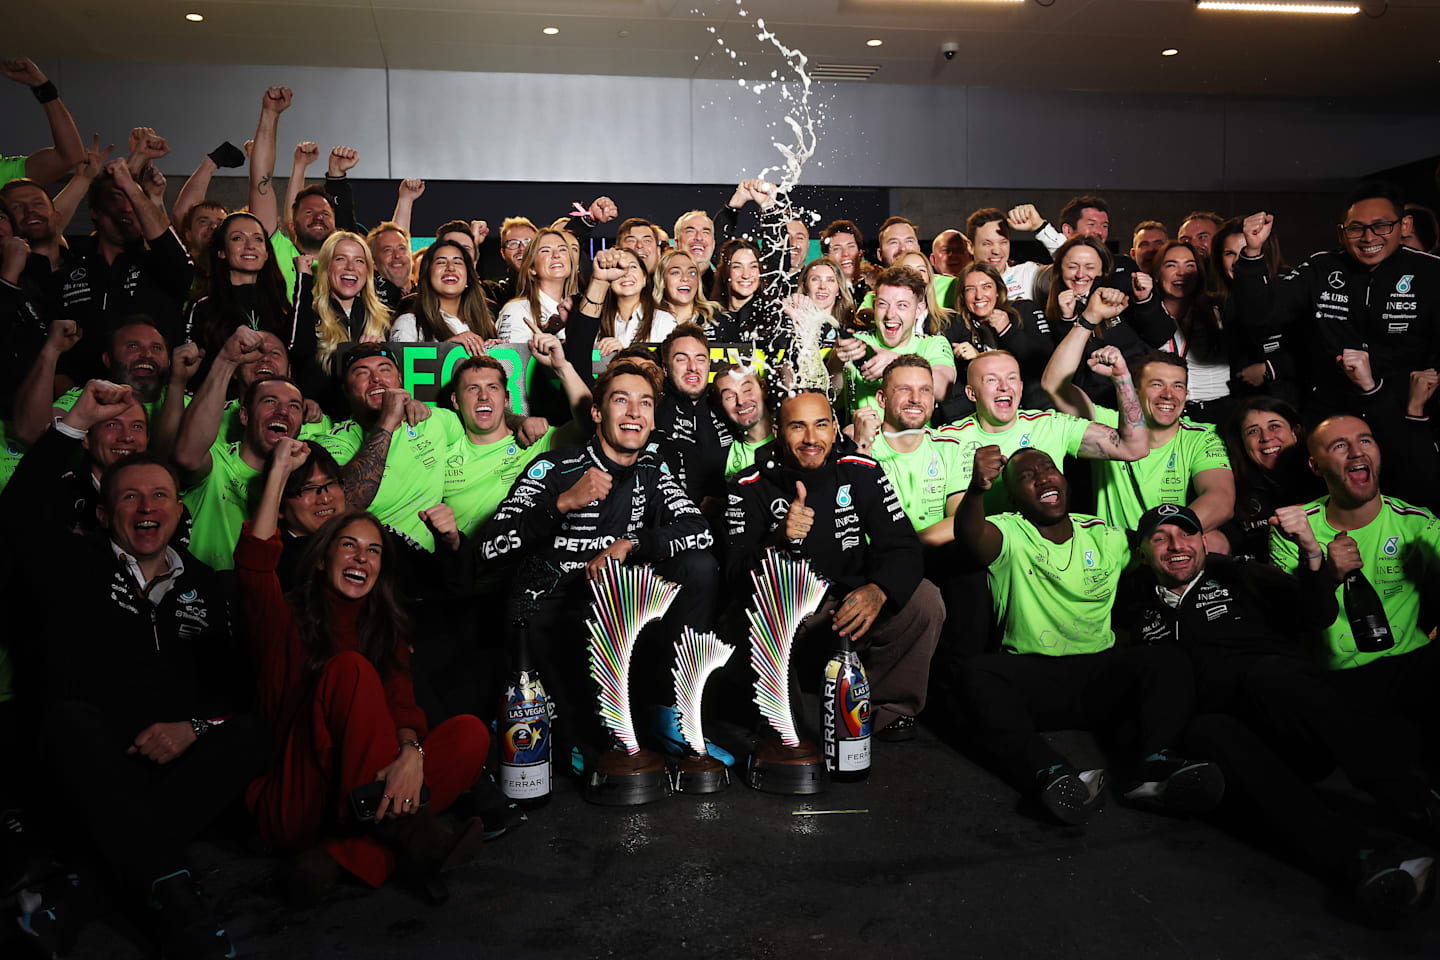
(1392, 547)
(538, 471)
(842, 496)
(1405, 282)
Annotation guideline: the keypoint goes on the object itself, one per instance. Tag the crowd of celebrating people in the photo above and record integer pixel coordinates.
(206, 434)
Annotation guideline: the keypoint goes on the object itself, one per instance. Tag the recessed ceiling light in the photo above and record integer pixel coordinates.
(194, 17)
(1280, 6)
(550, 31)
(873, 43)
(1169, 52)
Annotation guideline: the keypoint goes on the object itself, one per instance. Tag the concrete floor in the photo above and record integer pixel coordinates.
(937, 862)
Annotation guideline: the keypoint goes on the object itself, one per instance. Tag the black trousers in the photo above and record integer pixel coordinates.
(559, 642)
(1010, 698)
(141, 814)
(1398, 692)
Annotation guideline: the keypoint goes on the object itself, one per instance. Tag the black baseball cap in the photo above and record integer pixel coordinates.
(1180, 516)
(364, 351)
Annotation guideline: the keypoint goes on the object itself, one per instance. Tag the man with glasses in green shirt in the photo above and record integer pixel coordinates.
(1053, 577)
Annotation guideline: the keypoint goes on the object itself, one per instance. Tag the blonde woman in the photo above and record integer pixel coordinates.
(677, 291)
(544, 278)
(336, 302)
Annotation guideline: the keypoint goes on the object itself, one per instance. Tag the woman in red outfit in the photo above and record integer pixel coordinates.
(332, 665)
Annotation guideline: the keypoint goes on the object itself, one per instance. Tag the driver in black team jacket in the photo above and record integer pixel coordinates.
(811, 495)
(568, 514)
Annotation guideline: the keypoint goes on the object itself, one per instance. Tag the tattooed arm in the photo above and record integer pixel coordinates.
(1131, 441)
(360, 478)
(262, 158)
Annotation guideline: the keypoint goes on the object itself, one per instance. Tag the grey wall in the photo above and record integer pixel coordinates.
(477, 126)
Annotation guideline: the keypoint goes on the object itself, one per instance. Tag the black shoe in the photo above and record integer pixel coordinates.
(1394, 883)
(1173, 783)
(187, 926)
(51, 914)
(1070, 795)
(485, 800)
(897, 731)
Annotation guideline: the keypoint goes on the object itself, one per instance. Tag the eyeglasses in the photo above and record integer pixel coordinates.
(1381, 228)
(516, 244)
(316, 489)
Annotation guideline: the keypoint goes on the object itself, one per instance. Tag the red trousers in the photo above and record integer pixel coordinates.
(348, 737)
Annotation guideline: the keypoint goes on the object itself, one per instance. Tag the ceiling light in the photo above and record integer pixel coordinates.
(194, 17)
(1169, 52)
(1281, 6)
(873, 43)
(550, 31)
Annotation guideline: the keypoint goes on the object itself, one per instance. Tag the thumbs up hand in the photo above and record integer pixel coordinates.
(800, 518)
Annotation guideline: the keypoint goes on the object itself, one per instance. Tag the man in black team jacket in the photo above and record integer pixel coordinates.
(690, 433)
(133, 677)
(809, 494)
(1373, 295)
(1261, 699)
(569, 513)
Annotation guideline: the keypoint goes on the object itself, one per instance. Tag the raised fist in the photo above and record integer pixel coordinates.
(411, 188)
(594, 484)
(1142, 283)
(1257, 229)
(607, 265)
(22, 70)
(1109, 362)
(306, 153)
(989, 461)
(1025, 217)
(603, 210)
(342, 159)
(277, 100)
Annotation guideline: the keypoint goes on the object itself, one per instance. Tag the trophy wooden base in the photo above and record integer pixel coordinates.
(698, 774)
(776, 768)
(621, 780)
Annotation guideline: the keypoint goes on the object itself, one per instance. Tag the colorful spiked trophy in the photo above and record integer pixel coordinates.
(786, 592)
(697, 655)
(626, 598)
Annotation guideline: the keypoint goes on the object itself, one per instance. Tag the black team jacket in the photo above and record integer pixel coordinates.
(692, 439)
(861, 534)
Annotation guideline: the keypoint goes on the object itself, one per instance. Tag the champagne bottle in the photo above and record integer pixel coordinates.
(845, 715)
(1368, 623)
(525, 757)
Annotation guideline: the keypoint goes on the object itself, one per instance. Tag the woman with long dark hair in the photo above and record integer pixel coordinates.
(447, 305)
(245, 288)
(333, 682)
(628, 314)
(1184, 319)
(1264, 361)
(1266, 441)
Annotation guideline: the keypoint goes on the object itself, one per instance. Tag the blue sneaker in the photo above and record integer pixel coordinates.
(665, 723)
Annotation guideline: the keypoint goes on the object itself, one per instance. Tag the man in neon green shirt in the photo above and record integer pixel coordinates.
(223, 482)
(899, 300)
(993, 383)
(396, 465)
(1053, 577)
(1187, 464)
(1395, 546)
(742, 398)
(480, 471)
(924, 467)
